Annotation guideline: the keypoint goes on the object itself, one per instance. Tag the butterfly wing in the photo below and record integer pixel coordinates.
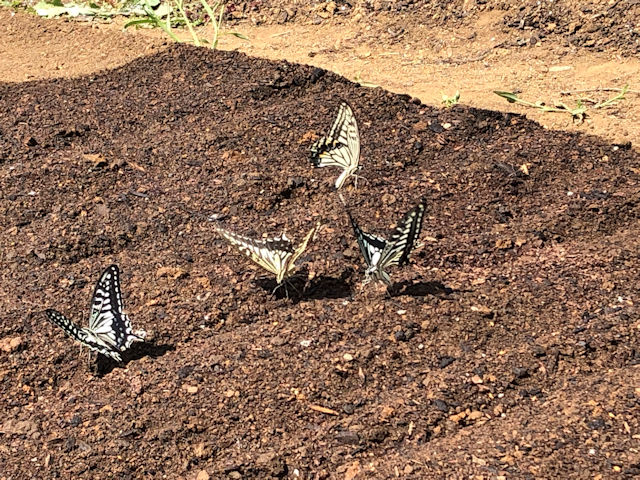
(81, 335)
(341, 148)
(271, 254)
(107, 320)
(370, 245)
(403, 240)
(301, 248)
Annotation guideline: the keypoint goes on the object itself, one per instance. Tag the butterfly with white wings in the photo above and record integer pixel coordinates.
(341, 148)
(109, 331)
(380, 254)
(276, 255)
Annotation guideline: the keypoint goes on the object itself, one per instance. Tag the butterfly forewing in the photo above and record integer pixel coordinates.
(341, 148)
(371, 246)
(302, 247)
(405, 238)
(107, 319)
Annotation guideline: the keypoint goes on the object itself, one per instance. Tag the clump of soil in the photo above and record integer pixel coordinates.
(509, 347)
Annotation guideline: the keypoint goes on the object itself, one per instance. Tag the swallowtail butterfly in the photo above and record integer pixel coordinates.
(109, 331)
(341, 148)
(380, 254)
(276, 255)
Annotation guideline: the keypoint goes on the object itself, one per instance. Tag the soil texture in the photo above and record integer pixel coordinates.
(508, 348)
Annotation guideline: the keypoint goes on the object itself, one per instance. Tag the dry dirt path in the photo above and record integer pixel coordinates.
(422, 63)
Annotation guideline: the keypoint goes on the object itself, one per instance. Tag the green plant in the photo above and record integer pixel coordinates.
(451, 101)
(578, 113)
(165, 22)
(358, 79)
(154, 19)
(613, 100)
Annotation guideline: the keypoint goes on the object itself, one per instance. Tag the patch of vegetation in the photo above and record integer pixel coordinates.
(451, 101)
(578, 113)
(212, 14)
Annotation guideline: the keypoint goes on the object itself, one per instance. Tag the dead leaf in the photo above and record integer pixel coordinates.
(321, 409)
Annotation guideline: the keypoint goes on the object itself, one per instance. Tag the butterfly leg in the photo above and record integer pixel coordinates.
(276, 289)
(355, 180)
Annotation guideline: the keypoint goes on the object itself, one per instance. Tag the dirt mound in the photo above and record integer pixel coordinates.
(595, 25)
(508, 348)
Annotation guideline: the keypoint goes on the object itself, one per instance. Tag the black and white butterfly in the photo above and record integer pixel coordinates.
(109, 331)
(380, 254)
(276, 255)
(341, 148)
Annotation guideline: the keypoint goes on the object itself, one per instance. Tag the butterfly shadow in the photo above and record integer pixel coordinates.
(419, 289)
(138, 350)
(298, 288)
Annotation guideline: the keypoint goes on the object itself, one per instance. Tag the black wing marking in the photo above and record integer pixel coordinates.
(79, 334)
(107, 320)
(371, 246)
(404, 239)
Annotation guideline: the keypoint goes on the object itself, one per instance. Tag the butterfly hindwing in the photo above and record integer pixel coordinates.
(404, 239)
(341, 148)
(302, 247)
(79, 334)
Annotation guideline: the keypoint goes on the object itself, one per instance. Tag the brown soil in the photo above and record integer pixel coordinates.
(508, 349)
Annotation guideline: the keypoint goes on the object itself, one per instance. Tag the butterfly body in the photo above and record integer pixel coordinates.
(109, 331)
(341, 148)
(380, 254)
(276, 255)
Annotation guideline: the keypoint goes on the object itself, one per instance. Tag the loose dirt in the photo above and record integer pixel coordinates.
(507, 349)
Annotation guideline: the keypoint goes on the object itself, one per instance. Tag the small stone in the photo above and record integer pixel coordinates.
(475, 415)
(235, 475)
(203, 475)
(277, 341)
(441, 405)
(348, 438)
(10, 344)
(400, 336)
(446, 361)
(504, 243)
(172, 272)
(388, 199)
(476, 379)
(348, 357)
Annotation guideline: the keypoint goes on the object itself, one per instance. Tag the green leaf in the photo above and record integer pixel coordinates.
(510, 96)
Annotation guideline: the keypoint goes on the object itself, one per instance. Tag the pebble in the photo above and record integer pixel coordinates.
(348, 438)
(446, 361)
(10, 344)
(203, 475)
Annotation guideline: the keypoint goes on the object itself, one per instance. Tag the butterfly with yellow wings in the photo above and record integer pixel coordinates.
(276, 255)
(341, 148)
